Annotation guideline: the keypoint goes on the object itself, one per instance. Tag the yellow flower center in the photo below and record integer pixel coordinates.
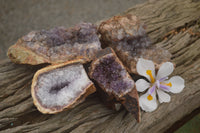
(149, 72)
(149, 97)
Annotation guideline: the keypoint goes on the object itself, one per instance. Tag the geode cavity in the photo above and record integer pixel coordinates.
(57, 87)
(56, 45)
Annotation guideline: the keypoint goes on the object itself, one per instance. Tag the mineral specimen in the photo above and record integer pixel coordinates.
(56, 45)
(127, 36)
(61, 86)
(108, 71)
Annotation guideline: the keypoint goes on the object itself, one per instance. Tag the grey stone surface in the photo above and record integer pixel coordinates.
(18, 17)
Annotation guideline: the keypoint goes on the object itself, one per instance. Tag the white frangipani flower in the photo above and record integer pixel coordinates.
(157, 84)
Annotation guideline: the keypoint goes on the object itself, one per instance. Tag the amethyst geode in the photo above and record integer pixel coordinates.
(62, 86)
(57, 45)
(127, 36)
(108, 71)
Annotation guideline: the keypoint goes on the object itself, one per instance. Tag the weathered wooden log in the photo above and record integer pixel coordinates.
(174, 25)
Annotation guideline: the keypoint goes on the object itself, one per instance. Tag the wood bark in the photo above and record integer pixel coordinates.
(174, 25)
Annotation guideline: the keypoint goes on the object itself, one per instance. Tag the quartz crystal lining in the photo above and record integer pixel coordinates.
(62, 86)
(111, 75)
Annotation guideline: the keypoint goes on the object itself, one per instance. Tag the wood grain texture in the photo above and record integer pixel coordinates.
(174, 25)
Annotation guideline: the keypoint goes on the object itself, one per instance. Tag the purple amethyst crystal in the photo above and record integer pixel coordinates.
(109, 72)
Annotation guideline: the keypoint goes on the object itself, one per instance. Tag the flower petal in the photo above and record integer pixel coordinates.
(142, 85)
(163, 97)
(148, 105)
(178, 84)
(144, 65)
(165, 70)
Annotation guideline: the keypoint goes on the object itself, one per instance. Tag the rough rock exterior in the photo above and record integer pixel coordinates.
(127, 36)
(56, 45)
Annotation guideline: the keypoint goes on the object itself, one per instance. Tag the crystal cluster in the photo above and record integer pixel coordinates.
(111, 74)
(127, 36)
(57, 45)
